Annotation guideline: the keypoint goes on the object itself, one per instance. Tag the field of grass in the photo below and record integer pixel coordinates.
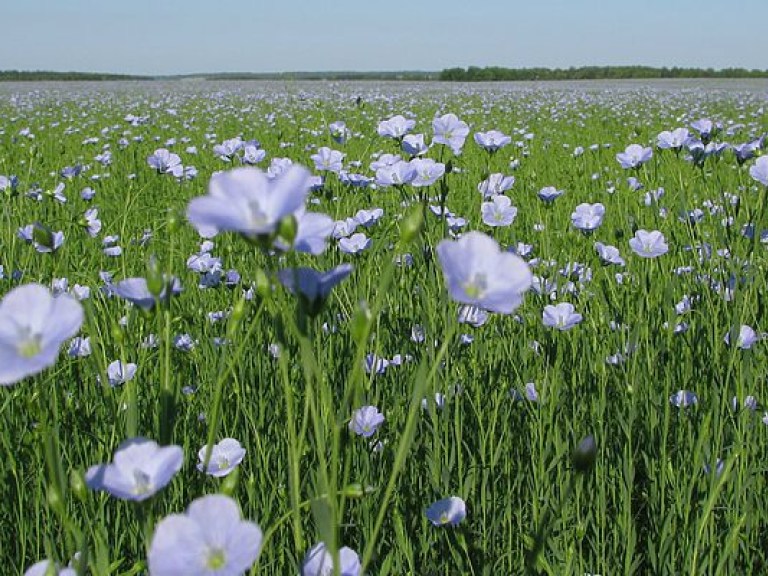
(659, 371)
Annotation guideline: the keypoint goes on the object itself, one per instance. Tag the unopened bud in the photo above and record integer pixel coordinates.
(288, 228)
(412, 224)
(155, 282)
(42, 235)
(360, 322)
(585, 454)
(77, 484)
(354, 490)
(229, 486)
(263, 287)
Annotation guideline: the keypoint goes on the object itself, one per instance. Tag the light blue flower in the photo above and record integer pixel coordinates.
(479, 273)
(33, 326)
(447, 512)
(211, 539)
(319, 562)
(140, 468)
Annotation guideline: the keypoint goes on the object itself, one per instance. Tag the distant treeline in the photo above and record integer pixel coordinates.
(471, 74)
(496, 73)
(42, 75)
(330, 75)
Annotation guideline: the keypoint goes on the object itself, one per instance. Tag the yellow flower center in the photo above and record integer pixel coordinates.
(30, 347)
(216, 559)
(476, 287)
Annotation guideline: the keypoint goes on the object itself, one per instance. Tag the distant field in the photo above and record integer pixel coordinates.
(485, 378)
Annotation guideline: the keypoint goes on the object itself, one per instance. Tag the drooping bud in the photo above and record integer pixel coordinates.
(585, 454)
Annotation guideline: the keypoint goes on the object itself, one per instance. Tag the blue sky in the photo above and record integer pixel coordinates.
(178, 36)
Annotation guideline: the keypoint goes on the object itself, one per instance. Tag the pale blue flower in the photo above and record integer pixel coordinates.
(674, 140)
(319, 562)
(395, 127)
(588, 217)
(450, 131)
(366, 421)
(164, 161)
(48, 568)
(225, 457)
(499, 211)
(478, 272)
(649, 244)
(495, 184)
(634, 156)
(683, 399)
(447, 512)
(327, 159)
(33, 326)
(561, 316)
(745, 339)
(427, 171)
(413, 145)
(311, 284)
(211, 539)
(119, 373)
(759, 170)
(549, 194)
(492, 141)
(140, 468)
(396, 174)
(245, 200)
(355, 244)
(609, 254)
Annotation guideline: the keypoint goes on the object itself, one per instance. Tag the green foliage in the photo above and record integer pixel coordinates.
(497, 73)
(642, 506)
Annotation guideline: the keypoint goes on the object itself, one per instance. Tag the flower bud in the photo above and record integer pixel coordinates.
(412, 224)
(585, 454)
(77, 484)
(229, 486)
(288, 228)
(42, 235)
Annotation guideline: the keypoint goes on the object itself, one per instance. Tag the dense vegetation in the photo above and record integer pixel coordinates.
(662, 359)
(497, 73)
(470, 74)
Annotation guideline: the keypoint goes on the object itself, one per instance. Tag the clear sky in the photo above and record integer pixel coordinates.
(186, 36)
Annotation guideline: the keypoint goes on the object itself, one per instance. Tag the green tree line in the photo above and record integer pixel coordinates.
(496, 73)
(42, 75)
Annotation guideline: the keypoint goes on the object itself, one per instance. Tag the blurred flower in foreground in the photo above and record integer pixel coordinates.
(447, 512)
(210, 539)
(319, 562)
(136, 291)
(311, 284)
(48, 568)
(246, 200)
(759, 170)
(33, 326)
(140, 468)
(478, 272)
